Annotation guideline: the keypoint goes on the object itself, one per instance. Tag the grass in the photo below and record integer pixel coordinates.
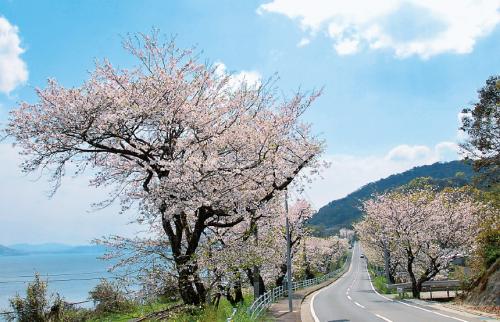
(207, 313)
(219, 314)
(379, 282)
(136, 311)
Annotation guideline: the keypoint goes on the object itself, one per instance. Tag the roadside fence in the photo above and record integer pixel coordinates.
(271, 296)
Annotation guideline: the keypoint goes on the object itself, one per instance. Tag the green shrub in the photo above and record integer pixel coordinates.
(108, 297)
(36, 306)
(380, 284)
(379, 281)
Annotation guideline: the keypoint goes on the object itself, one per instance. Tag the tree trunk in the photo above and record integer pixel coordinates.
(191, 287)
(387, 262)
(238, 293)
(262, 286)
(256, 280)
(307, 270)
(189, 294)
(230, 298)
(259, 282)
(256, 285)
(216, 299)
(415, 290)
(281, 276)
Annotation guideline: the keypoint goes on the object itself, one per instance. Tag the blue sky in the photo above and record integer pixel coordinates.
(395, 76)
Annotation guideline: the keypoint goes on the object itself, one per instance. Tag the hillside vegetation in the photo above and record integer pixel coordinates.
(343, 212)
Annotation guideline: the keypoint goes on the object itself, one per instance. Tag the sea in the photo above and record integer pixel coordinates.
(70, 275)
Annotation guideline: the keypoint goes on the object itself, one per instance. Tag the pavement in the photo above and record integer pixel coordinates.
(353, 298)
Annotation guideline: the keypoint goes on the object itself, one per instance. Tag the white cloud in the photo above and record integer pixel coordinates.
(303, 42)
(443, 151)
(409, 153)
(252, 78)
(348, 173)
(13, 70)
(347, 47)
(407, 27)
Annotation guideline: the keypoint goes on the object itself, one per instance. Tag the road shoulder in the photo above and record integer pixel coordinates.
(279, 310)
(305, 308)
(449, 308)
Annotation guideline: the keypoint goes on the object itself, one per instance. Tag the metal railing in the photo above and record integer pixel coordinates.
(271, 296)
(430, 286)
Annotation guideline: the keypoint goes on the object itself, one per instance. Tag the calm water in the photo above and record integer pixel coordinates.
(71, 275)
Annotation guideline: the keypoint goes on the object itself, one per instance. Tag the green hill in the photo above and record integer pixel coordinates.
(343, 212)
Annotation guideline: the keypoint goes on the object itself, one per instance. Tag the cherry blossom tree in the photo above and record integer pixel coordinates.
(275, 236)
(378, 247)
(145, 260)
(426, 230)
(237, 253)
(184, 142)
(323, 253)
(346, 233)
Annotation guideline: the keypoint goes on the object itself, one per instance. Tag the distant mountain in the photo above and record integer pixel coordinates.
(41, 248)
(54, 248)
(6, 251)
(343, 212)
(87, 249)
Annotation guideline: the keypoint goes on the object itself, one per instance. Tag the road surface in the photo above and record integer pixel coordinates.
(352, 298)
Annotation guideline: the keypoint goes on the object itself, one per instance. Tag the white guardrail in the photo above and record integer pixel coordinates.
(430, 286)
(271, 296)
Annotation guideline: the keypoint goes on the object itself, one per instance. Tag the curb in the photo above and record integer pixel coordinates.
(319, 288)
(467, 310)
(308, 315)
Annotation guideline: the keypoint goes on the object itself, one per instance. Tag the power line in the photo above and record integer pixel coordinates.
(59, 274)
(61, 280)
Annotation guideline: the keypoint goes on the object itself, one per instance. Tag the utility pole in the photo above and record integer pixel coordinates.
(288, 256)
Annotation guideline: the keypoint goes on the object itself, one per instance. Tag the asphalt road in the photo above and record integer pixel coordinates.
(352, 298)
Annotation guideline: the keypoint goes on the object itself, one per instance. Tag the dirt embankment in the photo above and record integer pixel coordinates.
(486, 293)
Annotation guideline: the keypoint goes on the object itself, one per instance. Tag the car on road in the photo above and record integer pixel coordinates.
(362, 256)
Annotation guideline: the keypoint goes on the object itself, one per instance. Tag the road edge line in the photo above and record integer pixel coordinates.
(410, 305)
(311, 304)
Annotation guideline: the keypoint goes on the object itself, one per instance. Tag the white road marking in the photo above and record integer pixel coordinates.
(350, 299)
(416, 307)
(383, 318)
(361, 306)
(373, 288)
(426, 310)
(311, 305)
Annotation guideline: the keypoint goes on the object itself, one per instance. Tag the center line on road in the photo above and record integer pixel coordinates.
(311, 304)
(383, 318)
(361, 306)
